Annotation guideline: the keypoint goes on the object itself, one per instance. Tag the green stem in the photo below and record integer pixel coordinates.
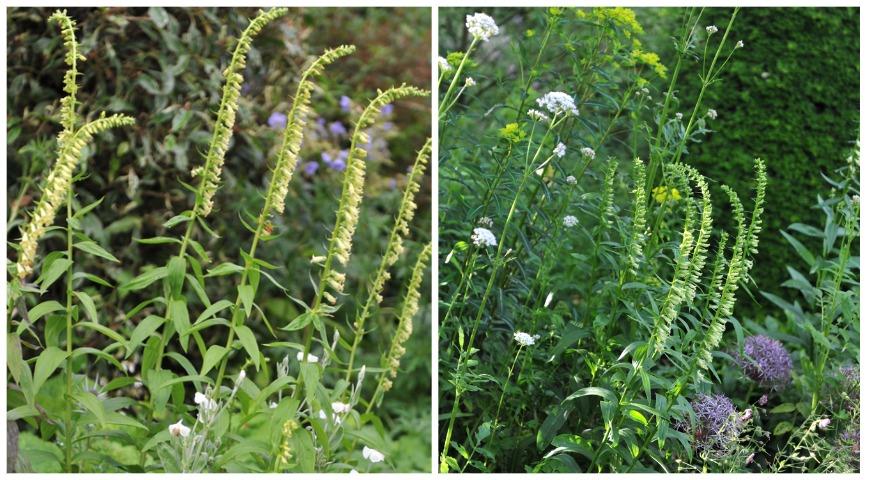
(69, 334)
(444, 106)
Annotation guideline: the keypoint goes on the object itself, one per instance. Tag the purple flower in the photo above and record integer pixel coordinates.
(338, 165)
(392, 183)
(246, 88)
(277, 120)
(387, 109)
(311, 168)
(717, 427)
(320, 121)
(766, 361)
(345, 103)
(337, 129)
(387, 126)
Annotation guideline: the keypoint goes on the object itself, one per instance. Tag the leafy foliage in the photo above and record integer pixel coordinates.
(150, 365)
(589, 288)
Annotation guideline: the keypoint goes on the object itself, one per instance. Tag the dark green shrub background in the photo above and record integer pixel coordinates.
(163, 67)
(791, 97)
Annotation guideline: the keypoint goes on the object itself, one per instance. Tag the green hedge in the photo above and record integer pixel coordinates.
(791, 96)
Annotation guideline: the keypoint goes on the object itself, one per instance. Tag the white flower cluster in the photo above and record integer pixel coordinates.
(179, 430)
(587, 152)
(739, 44)
(481, 26)
(444, 65)
(569, 220)
(483, 238)
(678, 115)
(469, 82)
(558, 103)
(524, 339)
(372, 455)
(311, 358)
(712, 29)
(538, 115)
(559, 151)
(712, 114)
(571, 180)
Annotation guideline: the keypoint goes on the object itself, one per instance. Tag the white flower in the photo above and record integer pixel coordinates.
(679, 115)
(444, 65)
(587, 152)
(242, 376)
(372, 455)
(739, 44)
(712, 29)
(481, 26)
(571, 180)
(569, 220)
(311, 358)
(273, 405)
(538, 115)
(339, 407)
(178, 429)
(765, 75)
(203, 401)
(469, 82)
(558, 102)
(747, 414)
(524, 339)
(559, 151)
(823, 423)
(483, 238)
(712, 114)
(485, 221)
(548, 300)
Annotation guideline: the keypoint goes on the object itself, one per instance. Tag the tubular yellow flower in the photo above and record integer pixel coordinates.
(297, 118)
(347, 215)
(406, 319)
(210, 174)
(394, 247)
(68, 103)
(58, 183)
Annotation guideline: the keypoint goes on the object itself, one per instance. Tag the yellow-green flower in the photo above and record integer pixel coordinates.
(662, 194)
(512, 133)
(650, 59)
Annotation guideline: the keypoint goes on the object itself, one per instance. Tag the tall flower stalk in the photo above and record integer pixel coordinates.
(285, 165)
(393, 252)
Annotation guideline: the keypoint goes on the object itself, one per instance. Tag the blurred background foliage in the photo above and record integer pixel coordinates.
(791, 97)
(163, 66)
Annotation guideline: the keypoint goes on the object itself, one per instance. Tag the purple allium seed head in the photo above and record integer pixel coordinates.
(277, 120)
(345, 103)
(766, 361)
(717, 426)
